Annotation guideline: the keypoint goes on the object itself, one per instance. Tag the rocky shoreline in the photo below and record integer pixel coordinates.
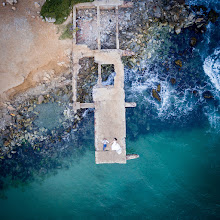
(41, 149)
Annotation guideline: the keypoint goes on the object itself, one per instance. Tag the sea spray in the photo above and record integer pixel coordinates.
(211, 67)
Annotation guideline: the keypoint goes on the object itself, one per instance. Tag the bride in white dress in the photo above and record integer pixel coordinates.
(116, 146)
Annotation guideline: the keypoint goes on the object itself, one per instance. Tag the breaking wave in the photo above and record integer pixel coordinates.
(211, 67)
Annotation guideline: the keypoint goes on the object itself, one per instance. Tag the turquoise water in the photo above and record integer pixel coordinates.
(176, 177)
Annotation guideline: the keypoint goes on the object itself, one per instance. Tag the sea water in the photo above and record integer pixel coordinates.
(178, 139)
(176, 177)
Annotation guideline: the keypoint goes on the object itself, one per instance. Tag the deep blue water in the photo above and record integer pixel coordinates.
(176, 177)
(178, 139)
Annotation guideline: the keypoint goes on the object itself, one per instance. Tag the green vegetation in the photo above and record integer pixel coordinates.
(59, 9)
(67, 31)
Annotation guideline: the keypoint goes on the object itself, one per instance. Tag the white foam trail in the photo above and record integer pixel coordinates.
(213, 116)
(211, 67)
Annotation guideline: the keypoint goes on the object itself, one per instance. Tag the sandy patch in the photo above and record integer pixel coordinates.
(29, 48)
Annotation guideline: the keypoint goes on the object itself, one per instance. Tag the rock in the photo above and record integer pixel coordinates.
(167, 8)
(207, 95)
(177, 30)
(30, 109)
(50, 20)
(181, 2)
(12, 143)
(156, 95)
(61, 63)
(8, 118)
(11, 108)
(157, 11)
(13, 8)
(9, 156)
(37, 5)
(40, 99)
(213, 16)
(179, 63)
(133, 60)
(198, 20)
(193, 41)
(191, 16)
(11, 2)
(6, 143)
(158, 88)
(200, 26)
(173, 81)
(195, 93)
(132, 156)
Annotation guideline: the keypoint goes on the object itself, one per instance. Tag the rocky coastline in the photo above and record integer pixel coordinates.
(27, 148)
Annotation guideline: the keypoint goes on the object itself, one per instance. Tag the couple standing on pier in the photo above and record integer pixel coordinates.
(115, 146)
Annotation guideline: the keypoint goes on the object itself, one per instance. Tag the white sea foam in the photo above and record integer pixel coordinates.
(172, 104)
(211, 67)
(213, 115)
(110, 79)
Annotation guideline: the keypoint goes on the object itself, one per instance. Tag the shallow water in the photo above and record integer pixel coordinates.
(176, 177)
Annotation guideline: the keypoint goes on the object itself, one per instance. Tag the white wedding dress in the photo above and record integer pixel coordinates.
(116, 147)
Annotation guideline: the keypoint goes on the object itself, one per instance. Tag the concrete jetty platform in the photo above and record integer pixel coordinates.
(109, 123)
(108, 101)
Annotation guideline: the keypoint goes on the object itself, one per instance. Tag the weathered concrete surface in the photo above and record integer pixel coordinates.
(110, 157)
(109, 122)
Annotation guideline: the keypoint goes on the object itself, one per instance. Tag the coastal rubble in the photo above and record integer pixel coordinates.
(12, 2)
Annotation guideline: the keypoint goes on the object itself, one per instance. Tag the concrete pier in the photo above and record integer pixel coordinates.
(108, 101)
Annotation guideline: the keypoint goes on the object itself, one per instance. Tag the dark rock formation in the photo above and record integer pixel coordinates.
(173, 81)
(207, 95)
(156, 95)
(179, 63)
(193, 41)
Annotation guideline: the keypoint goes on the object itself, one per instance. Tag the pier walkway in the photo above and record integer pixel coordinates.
(108, 101)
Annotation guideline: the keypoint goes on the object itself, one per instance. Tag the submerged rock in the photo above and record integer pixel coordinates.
(156, 95)
(173, 81)
(207, 95)
(195, 93)
(213, 16)
(157, 11)
(40, 99)
(179, 63)
(177, 30)
(193, 41)
(159, 88)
